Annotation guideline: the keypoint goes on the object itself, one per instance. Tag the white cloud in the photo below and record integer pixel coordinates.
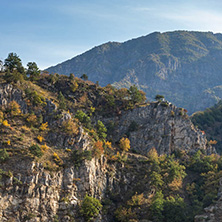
(196, 19)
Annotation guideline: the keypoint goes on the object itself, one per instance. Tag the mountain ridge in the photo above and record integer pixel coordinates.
(183, 66)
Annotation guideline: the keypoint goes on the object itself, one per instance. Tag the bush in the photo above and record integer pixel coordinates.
(36, 150)
(14, 108)
(98, 148)
(32, 120)
(77, 156)
(70, 127)
(1, 116)
(44, 126)
(5, 123)
(83, 118)
(3, 155)
(137, 96)
(101, 130)
(62, 102)
(124, 144)
(90, 208)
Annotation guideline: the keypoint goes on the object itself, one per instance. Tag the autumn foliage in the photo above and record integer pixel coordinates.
(124, 144)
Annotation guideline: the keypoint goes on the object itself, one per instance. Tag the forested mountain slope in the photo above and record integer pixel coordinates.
(183, 66)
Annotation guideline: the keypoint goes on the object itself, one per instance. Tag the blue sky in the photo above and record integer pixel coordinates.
(52, 31)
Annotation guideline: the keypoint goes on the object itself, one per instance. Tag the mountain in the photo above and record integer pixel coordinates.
(71, 150)
(183, 66)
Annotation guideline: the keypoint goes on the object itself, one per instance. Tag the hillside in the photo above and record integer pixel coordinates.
(71, 150)
(210, 120)
(183, 66)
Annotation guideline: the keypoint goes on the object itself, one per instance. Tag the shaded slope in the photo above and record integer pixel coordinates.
(210, 121)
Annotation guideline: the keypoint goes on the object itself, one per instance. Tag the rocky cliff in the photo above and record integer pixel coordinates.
(51, 187)
(160, 125)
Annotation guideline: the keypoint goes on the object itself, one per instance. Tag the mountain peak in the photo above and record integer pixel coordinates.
(181, 65)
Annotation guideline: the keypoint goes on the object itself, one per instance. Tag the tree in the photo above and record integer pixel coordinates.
(157, 205)
(14, 108)
(84, 77)
(90, 208)
(71, 76)
(70, 127)
(14, 62)
(124, 144)
(136, 95)
(62, 103)
(33, 71)
(159, 97)
(83, 118)
(174, 210)
(3, 155)
(101, 130)
(13, 76)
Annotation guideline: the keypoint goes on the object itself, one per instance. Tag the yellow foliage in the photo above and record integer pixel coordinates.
(153, 155)
(124, 144)
(92, 110)
(74, 86)
(98, 148)
(57, 159)
(108, 144)
(68, 150)
(32, 119)
(44, 147)
(1, 116)
(44, 126)
(56, 156)
(40, 138)
(25, 128)
(14, 108)
(8, 142)
(70, 127)
(176, 184)
(5, 123)
(213, 142)
(136, 200)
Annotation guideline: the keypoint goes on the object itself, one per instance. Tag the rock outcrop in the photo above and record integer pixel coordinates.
(39, 195)
(9, 93)
(159, 125)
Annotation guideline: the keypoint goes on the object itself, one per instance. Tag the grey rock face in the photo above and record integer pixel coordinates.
(9, 93)
(43, 194)
(164, 128)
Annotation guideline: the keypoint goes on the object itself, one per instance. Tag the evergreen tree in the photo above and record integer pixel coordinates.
(62, 103)
(14, 62)
(33, 71)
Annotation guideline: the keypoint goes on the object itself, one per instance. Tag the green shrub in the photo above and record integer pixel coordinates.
(3, 155)
(83, 118)
(36, 150)
(90, 208)
(101, 130)
(77, 156)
